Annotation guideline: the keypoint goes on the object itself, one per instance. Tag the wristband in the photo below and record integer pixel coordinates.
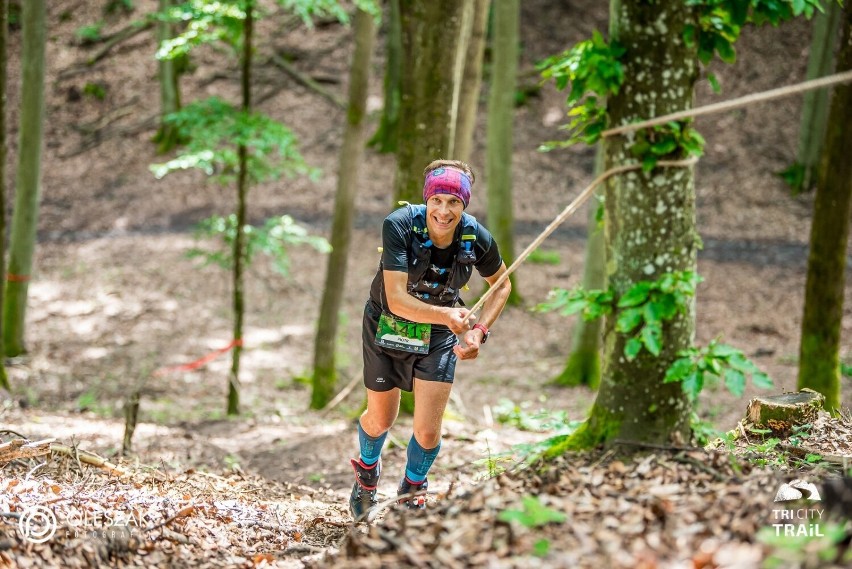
(485, 333)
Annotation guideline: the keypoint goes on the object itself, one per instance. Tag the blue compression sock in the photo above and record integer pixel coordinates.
(371, 447)
(419, 460)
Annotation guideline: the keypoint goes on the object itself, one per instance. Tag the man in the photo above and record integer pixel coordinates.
(411, 321)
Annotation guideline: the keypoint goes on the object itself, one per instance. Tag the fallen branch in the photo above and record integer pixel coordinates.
(342, 395)
(22, 448)
(89, 458)
(307, 81)
(118, 37)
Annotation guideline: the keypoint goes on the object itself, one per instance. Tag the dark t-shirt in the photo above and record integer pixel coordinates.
(396, 236)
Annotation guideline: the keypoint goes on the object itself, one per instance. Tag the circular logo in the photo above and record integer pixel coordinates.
(37, 524)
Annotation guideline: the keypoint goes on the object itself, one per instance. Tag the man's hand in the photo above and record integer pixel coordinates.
(472, 340)
(458, 320)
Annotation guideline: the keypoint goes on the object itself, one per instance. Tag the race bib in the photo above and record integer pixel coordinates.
(399, 334)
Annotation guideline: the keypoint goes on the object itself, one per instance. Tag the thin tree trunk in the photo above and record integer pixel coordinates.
(351, 155)
(239, 239)
(584, 362)
(430, 36)
(4, 33)
(501, 113)
(386, 137)
(28, 179)
(815, 103)
(650, 231)
(167, 135)
(472, 82)
(819, 352)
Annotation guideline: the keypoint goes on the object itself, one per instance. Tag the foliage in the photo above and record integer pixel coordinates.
(543, 257)
(697, 367)
(534, 514)
(209, 21)
(642, 309)
(666, 141)
(206, 21)
(90, 33)
(214, 129)
(592, 70)
(846, 369)
(719, 22)
(506, 412)
(272, 239)
(95, 90)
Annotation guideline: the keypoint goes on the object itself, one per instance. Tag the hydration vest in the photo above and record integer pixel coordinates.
(421, 253)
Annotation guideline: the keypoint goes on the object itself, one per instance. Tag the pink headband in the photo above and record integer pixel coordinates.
(447, 181)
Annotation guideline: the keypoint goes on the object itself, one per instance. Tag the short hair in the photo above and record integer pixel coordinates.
(457, 164)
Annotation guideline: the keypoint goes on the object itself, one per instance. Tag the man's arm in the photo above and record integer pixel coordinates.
(490, 311)
(406, 306)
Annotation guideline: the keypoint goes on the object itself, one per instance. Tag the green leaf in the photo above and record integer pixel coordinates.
(679, 369)
(629, 319)
(637, 294)
(632, 348)
(663, 147)
(652, 336)
(534, 514)
(762, 381)
(541, 547)
(693, 384)
(648, 162)
(714, 83)
(725, 49)
(735, 381)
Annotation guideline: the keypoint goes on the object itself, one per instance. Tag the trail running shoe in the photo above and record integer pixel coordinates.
(416, 502)
(363, 497)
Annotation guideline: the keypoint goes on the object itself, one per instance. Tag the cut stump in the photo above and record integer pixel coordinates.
(780, 413)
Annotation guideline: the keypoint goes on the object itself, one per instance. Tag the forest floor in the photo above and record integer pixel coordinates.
(114, 299)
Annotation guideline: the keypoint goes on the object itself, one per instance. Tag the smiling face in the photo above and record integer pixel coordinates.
(443, 214)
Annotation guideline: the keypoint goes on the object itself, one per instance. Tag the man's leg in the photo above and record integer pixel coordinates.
(430, 400)
(382, 409)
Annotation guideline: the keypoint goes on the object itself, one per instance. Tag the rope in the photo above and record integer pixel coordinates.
(820, 83)
(569, 209)
(823, 82)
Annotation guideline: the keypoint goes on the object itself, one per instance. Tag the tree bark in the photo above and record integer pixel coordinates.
(431, 30)
(815, 103)
(4, 33)
(472, 82)
(351, 155)
(387, 135)
(501, 112)
(650, 230)
(239, 239)
(819, 351)
(584, 362)
(167, 135)
(28, 179)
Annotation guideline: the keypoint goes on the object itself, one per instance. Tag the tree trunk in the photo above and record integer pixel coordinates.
(501, 112)
(239, 239)
(351, 155)
(472, 82)
(385, 139)
(815, 103)
(650, 230)
(4, 33)
(431, 30)
(28, 179)
(584, 362)
(167, 135)
(819, 352)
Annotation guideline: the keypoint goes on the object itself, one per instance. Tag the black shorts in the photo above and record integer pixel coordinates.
(386, 368)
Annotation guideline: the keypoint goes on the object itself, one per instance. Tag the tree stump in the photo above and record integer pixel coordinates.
(781, 412)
